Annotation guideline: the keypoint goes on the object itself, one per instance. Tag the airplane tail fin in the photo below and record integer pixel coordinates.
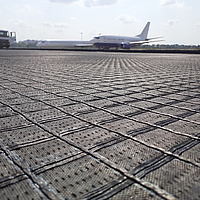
(145, 31)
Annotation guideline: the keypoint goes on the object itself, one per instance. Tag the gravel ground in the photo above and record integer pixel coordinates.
(97, 125)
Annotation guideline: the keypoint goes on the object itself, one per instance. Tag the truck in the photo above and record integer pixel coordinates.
(7, 38)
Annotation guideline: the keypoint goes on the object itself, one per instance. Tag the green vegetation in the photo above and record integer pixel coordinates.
(170, 47)
(32, 44)
(25, 44)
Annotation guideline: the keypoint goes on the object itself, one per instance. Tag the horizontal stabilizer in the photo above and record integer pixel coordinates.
(154, 38)
(137, 43)
(156, 41)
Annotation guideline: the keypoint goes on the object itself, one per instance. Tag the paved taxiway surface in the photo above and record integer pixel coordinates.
(86, 125)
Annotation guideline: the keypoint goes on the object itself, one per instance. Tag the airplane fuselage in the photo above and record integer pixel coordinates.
(62, 44)
(113, 41)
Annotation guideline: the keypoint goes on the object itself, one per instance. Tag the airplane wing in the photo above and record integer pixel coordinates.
(136, 43)
(156, 41)
(154, 38)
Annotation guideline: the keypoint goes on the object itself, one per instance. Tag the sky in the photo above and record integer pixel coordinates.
(178, 21)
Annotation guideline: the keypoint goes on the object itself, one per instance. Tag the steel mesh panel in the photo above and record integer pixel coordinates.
(128, 154)
(136, 89)
(171, 110)
(101, 103)
(69, 94)
(7, 94)
(13, 121)
(143, 104)
(6, 111)
(150, 93)
(193, 154)
(97, 117)
(123, 125)
(77, 108)
(74, 179)
(54, 89)
(87, 90)
(178, 178)
(188, 106)
(174, 97)
(119, 92)
(184, 127)
(92, 137)
(150, 117)
(195, 117)
(23, 135)
(20, 100)
(103, 94)
(47, 152)
(33, 93)
(13, 85)
(84, 98)
(36, 106)
(65, 124)
(194, 100)
(60, 101)
(161, 138)
(161, 100)
(121, 98)
(21, 190)
(45, 115)
(123, 109)
(135, 192)
(7, 171)
(46, 96)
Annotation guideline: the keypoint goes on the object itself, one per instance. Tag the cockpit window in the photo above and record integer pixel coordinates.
(4, 34)
(96, 38)
(43, 42)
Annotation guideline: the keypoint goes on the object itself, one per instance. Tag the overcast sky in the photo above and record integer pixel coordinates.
(177, 20)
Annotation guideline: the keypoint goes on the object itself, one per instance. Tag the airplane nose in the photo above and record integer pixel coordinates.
(38, 44)
(92, 41)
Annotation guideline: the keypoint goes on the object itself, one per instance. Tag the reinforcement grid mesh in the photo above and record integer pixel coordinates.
(86, 125)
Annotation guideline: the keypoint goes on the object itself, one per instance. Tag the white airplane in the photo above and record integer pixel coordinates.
(104, 41)
(62, 44)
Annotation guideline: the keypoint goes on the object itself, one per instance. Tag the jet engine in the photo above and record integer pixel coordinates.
(125, 46)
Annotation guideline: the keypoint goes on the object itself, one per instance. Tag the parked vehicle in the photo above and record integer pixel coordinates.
(7, 38)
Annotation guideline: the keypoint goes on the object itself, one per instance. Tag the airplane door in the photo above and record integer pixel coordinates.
(104, 39)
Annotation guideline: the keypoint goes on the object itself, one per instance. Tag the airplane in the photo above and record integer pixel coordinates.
(62, 44)
(104, 41)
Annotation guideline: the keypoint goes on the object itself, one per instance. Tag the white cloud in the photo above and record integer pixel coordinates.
(167, 2)
(172, 22)
(47, 24)
(63, 1)
(197, 25)
(74, 19)
(21, 24)
(127, 18)
(56, 25)
(172, 3)
(90, 3)
(30, 8)
(25, 8)
(59, 31)
(61, 25)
